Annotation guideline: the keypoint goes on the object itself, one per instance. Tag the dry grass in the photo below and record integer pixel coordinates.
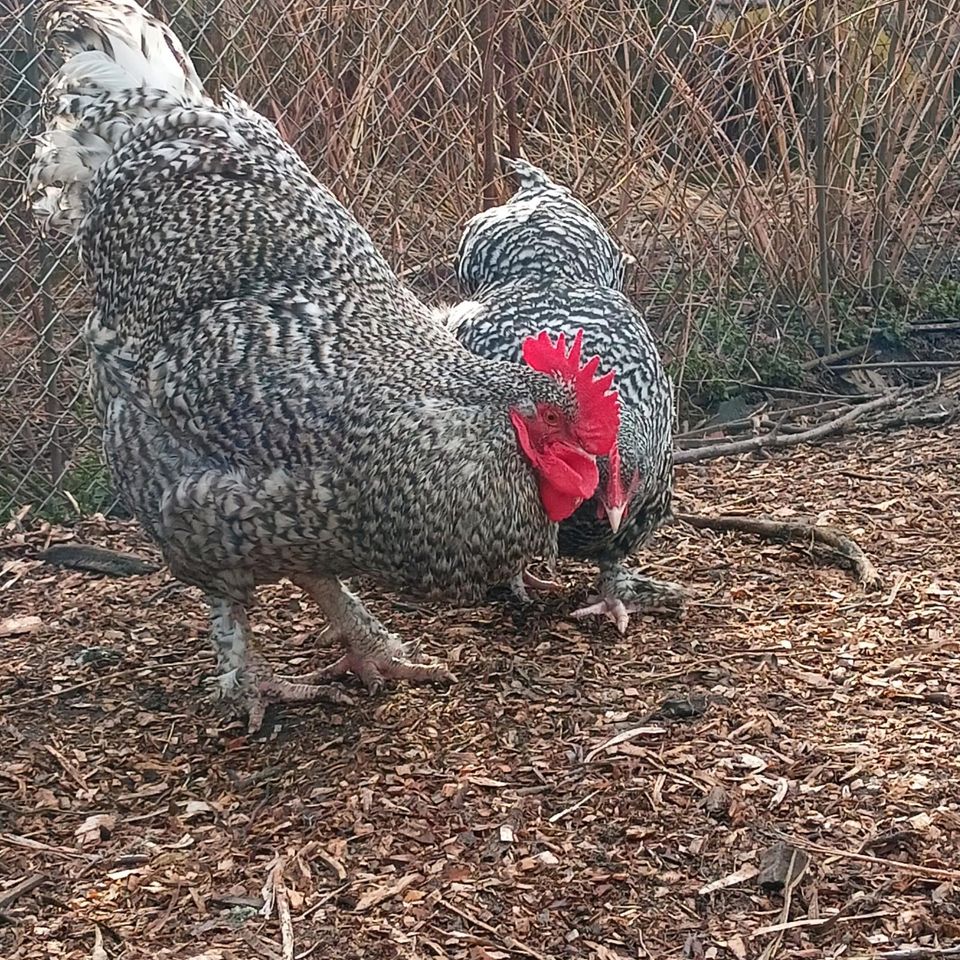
(500, 818)
(778, 173)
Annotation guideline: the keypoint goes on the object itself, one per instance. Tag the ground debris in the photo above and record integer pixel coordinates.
(781, 865)
(571, 797)
(111, 563)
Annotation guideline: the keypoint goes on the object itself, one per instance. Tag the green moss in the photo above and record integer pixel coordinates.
(938, 301)
(728, 351)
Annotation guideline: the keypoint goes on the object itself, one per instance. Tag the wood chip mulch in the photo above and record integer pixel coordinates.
(776, 773)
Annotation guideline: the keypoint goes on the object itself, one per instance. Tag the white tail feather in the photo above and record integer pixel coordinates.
(112, 51)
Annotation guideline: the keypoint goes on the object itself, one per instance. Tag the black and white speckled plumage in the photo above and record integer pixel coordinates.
(544, 261)
(275, 402)
(543, 234)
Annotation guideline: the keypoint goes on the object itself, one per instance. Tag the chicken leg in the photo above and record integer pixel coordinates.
(624, 591)
(520, 584)
(244, 676)
(373, 653)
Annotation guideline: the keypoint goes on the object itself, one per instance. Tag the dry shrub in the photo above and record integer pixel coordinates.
(767, 164)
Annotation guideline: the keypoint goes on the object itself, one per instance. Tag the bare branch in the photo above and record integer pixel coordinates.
(795, 532)
(775, 439)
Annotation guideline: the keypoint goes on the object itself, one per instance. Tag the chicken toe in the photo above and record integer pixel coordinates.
(244, 677)
(375, 665)
(267, 689)
(624, 591)
(373, 653)
(615, 610)
(522, 581)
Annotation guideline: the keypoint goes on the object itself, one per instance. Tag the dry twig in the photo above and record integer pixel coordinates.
(837, 357)
(777, 440)
(106, 678)
(12, 894)
(510, 942)
(921, 953)
(899, 365)
(917, 869)
(274, 893)
(793, 531)
(793, 871)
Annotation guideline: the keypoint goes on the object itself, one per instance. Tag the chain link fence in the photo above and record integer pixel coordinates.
(786, 174)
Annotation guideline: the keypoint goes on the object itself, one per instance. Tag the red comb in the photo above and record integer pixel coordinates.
(598, 404)
(541, 354)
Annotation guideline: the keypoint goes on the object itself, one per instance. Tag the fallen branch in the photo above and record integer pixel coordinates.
(275, 896)
(914, 869)
(795, 532)
(12, 894)
(380, 894)
(511, 943)
(761, 415)
(948, 327)
(837, 357)
(898, 365)
(775, 439)
(858, 905)
(920, 953)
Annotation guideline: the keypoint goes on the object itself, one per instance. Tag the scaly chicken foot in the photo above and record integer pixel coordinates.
(244, 677)
(624, 591)
(520, 584)
(374, 654)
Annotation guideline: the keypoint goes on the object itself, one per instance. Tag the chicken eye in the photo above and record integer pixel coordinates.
(551, 417)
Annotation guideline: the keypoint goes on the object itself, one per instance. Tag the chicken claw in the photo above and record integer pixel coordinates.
(522, 581)
(616, 611)
(244, 677)
(285, 691)
(256, 689)
(373, 668)
(545, 586)
(373, 653)
(622, 592)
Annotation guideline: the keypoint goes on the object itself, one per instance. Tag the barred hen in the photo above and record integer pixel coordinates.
(544, 261)
(274, 402)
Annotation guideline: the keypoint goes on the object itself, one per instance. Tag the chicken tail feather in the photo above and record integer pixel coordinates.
(119, 65)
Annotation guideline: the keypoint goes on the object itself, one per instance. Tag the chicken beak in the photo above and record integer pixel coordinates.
(615, 516)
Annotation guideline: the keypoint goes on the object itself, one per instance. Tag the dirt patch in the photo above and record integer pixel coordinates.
(575, 794)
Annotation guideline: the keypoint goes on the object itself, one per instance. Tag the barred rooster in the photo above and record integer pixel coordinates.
(274, 402)
(544, 261)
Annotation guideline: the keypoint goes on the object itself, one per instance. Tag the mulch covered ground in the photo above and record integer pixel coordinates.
(575, 794)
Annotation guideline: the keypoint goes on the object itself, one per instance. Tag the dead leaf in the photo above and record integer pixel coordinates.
(781, 865)
(693, 948)
(98, 953)
(486, 782)
(18, 626)
(780, 794)
(747, 872)
(717, 803)
(623, 737)
(604, 953)
(95, 828)
(196, 808)
(373, 897)
(737, 947)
